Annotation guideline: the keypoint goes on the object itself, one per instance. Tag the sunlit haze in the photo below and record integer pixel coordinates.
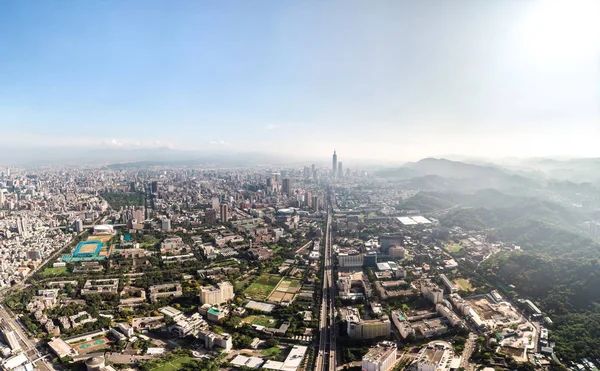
(389, 80)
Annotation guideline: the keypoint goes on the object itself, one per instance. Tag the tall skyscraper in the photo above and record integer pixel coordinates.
(1, 199)
(215, 203)
(340, 171)
(315, 202)
(334, 170)
(224, 213)
(286, 187)
(307, 199)
(210, 216)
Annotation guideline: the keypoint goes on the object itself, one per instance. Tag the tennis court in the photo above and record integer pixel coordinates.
(92, 345)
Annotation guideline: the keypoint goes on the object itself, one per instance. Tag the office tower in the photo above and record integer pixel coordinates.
(334, 170)
(315, 202)
(224, 213)
(286, 188)
(166, 225)
(307, 199)
(154, 186)
(210, 216)
(78, 225)
(1, 199)
(132, 187)
(22, 226)
(340, 171)
(269, 182)
(215, 203)
(306, 172)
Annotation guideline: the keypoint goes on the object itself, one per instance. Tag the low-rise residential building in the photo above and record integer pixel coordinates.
(165, 291)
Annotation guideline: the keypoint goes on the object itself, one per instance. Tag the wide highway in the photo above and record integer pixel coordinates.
(326, 358)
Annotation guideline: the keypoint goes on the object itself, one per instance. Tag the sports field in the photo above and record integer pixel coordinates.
(88, 248)
(262, 287)
(464, 284)
(453, 247)
(92, 345)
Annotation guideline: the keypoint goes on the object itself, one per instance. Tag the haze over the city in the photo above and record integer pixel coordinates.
(373, 79)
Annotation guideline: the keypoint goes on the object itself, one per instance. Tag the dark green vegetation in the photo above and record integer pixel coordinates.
(532, 223)
(568, 290)
(559, 267)
(179, 359)
(118, 200)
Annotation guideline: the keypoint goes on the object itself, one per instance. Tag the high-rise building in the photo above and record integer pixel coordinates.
(216, 295)
(210, 216)
(154, 187)
(224, 213)
(307, 199)
(335, 165)
(78, 225)
(1, 199)
(314, 171)
(340, 170)
(215, 203)
(286, 187)
(381, 357)
(22, 226)
(315, 202)
(166, 225)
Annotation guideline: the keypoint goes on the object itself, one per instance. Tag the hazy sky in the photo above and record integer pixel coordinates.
(379, 79)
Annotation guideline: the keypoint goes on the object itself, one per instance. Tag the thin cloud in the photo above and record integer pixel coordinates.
(113, 143)
(272, 126)
(218, 143)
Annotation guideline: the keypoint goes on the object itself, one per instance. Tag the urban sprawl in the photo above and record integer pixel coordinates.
(298, 268)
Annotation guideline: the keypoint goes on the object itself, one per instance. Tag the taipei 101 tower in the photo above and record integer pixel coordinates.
(335, 165)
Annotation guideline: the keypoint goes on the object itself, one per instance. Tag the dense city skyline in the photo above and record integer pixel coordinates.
(380, 80)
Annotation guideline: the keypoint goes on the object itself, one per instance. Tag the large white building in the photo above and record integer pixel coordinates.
(381, 357)
(432, 292)
(358, 328)
(437, 356)
(216, 295)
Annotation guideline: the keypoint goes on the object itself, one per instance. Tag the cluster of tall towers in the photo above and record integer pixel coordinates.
(337, 169)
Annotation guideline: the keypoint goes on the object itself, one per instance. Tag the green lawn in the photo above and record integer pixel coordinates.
(464, 284)
(262, 320)
(262, 287)
(452, 248)
(173, 365)
(258, 291)
(268, 279)
(294, 284)
(270, 351)
(54, 271)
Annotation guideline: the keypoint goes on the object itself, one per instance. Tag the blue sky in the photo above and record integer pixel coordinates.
(374, 79)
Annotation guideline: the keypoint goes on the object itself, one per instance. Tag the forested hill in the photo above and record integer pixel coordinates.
(535, 225)
(567, 290)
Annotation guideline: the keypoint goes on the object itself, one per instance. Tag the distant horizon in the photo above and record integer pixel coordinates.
(109, 156)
